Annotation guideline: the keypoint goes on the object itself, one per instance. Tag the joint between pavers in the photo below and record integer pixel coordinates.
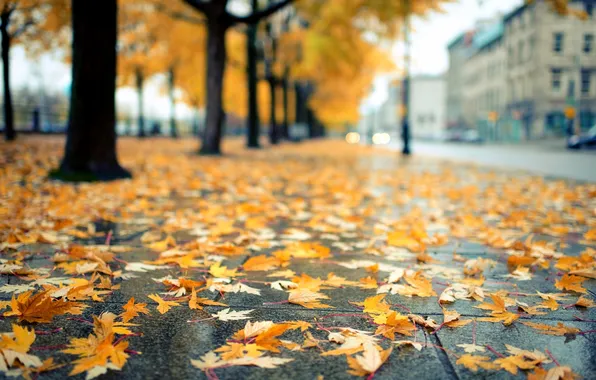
(444, 357)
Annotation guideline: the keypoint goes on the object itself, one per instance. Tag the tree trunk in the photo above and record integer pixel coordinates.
(273, 131)
(285, 127)
(253, 127)
(311, 124)
(9, 131)
(139, 77)
(171, 82)
(90, 152)
(216, 60)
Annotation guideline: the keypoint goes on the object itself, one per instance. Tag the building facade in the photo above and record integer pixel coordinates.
(484, 75)
(458, 50)
(427, 110)
(522, 74)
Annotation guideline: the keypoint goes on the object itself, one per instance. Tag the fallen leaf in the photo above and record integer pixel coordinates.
(163, 306)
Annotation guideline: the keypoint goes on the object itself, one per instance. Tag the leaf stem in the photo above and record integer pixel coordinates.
(489, 347)
(552, 357)
(276, 303)
(109, 237)
(200, 320)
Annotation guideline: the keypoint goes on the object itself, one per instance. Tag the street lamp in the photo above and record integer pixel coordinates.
(405, 126)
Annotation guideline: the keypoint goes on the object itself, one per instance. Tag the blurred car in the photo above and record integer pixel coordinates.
(587, 140)
(469, 136)
(472, 136)
(382, 138)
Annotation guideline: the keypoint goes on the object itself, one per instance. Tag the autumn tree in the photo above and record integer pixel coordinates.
(90, 151)
(24, 20)
(219, 20)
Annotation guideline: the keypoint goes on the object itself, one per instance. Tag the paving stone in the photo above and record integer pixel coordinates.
(578, 353)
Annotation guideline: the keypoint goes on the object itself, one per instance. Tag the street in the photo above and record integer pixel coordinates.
(548, 158)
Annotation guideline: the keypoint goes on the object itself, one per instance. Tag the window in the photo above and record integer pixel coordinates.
(585, 82)
(588, 42)
(556, 79)
(589, 8)
(520, 54)
(511, 56)
(558, 42)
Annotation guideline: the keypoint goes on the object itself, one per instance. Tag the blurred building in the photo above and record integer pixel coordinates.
(427, 110)
(459, 50)
(483, 91)
(515, 78)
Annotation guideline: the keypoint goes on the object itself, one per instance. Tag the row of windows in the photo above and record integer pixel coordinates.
(491, 70)
(529, 16)
(585, 85)
(426, 118)
(559, 42)
(523, 54)
(489, 101)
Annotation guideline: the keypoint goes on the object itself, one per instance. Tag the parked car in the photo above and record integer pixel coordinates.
(587, 140)
(469, 136)
(472, 136)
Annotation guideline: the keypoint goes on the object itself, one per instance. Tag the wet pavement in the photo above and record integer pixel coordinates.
(542, 158)
(343, 222)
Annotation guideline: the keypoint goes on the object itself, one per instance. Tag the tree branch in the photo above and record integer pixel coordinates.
(255, 17)
(180, 15)
(199, 5)
(22, 29)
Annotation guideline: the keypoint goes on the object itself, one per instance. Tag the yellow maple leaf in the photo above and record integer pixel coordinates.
(420, 286)
(234, 350)
(590, 234)
(21, 341)
(572, 283)
(261, 263)
(163, 306)
(550, 303)
(370, 361)
(368, 283)
(337, 281)
(395, 322)
(498, 305)
(403, 239)
(474, 362)
(512, 363)
(376, 304)
(219, 271)
(560, 329)
(196, 302)
(162, 245)
(307, 298)
(41, 307)
(304, 281)
(132, 310)
(584, 302)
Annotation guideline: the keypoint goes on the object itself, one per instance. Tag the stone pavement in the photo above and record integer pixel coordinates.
(338, 221)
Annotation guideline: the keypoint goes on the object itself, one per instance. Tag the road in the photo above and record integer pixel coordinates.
(547, 158)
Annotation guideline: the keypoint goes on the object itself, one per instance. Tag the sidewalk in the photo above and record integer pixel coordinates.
(317, 260)
(546, 159)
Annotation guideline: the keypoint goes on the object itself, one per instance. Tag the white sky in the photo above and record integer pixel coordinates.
(431, 36)
(429, 54)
